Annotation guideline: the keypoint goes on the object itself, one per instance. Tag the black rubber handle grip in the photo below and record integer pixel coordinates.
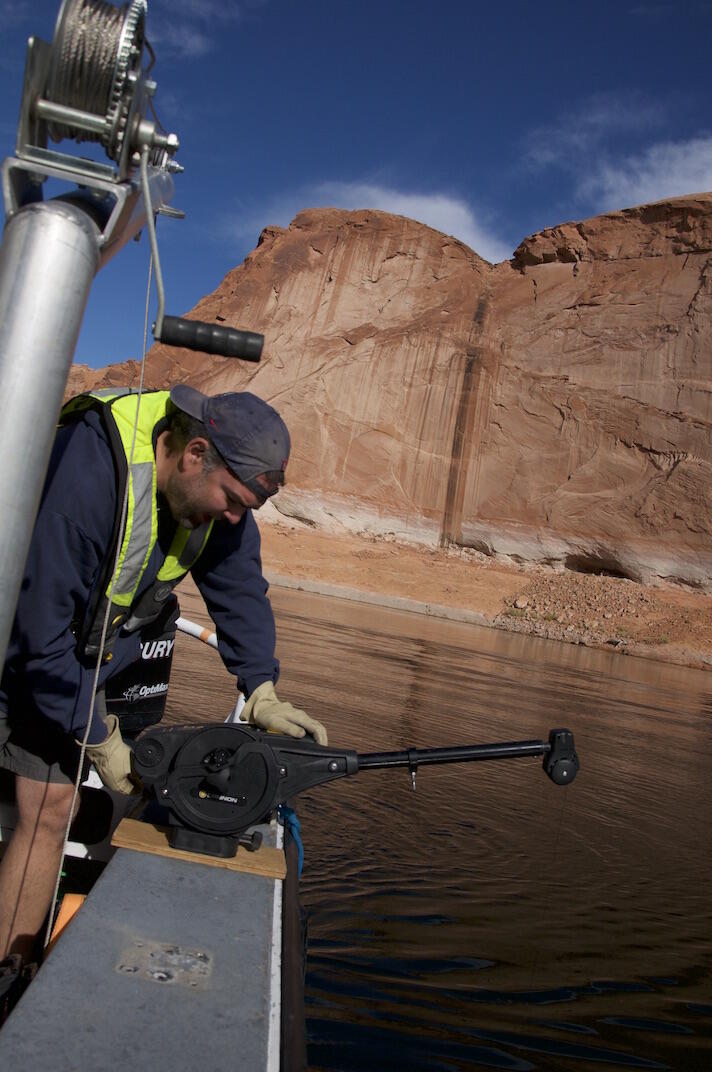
(211, 339)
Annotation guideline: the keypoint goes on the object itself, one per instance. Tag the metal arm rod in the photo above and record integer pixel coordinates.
(414, 757)
(151, 228)
(62, 113)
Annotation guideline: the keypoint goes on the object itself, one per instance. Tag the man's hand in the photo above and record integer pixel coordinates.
(112, 759)
(265, 710)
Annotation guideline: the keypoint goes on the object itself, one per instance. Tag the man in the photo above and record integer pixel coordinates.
(193, 468)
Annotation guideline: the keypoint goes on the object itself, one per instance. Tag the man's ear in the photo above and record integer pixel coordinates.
(194, 454)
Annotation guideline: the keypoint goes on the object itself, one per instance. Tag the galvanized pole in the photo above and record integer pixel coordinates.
(49, 256)
(48, 259)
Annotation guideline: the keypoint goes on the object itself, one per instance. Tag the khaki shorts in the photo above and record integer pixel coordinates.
(37, 748)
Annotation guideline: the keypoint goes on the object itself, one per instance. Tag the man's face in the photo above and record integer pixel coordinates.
(195, 496)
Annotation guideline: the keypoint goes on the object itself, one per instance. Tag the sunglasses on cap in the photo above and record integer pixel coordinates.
(264, 485)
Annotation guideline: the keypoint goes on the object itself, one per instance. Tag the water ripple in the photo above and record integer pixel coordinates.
(442, 921)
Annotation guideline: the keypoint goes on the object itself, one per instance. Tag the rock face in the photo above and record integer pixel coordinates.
(552, 408)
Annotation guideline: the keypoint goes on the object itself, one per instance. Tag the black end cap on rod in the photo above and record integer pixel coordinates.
(211, 338)
(561, 762)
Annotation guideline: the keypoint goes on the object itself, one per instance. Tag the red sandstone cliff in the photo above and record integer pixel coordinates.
(552, 408)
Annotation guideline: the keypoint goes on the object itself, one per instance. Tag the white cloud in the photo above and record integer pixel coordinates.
(652, 11)
(191, 28)
(445, 213)
(576, 134)
(614, 150)
(441, 211)
(667, 169)
(181, 39)
(13, 12)
(202, 10)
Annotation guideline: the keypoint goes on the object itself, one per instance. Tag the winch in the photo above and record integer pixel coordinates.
(218, 780)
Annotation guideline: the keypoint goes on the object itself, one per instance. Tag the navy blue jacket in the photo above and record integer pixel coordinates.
(69, 543)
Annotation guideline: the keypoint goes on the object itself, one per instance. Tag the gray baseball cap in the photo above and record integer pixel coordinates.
(248, 433)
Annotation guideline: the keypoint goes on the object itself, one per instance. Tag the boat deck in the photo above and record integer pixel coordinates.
(167, 964)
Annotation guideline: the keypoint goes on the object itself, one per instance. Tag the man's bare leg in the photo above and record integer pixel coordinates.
(28, 870)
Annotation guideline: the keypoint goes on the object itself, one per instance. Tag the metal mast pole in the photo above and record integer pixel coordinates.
(51, 250)
(48, 259)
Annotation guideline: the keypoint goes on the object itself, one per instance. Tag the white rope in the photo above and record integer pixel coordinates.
(97, 668)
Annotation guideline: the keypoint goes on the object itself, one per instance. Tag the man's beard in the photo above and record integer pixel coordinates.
(182, 502)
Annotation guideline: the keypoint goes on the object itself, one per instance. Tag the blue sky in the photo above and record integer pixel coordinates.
(486, 121)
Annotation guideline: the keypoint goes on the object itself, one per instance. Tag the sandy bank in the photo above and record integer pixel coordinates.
(669, 624)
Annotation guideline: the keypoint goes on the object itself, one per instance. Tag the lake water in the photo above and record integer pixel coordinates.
(492, 919)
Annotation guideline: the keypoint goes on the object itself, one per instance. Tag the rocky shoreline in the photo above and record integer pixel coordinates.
(670, 624)
(614, 613)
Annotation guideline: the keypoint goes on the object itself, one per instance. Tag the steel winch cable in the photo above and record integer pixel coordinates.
(96, 47)
(549, 865)
(105, 626)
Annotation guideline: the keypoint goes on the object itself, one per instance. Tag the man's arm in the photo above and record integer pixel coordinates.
(70, 537)
(229, 576)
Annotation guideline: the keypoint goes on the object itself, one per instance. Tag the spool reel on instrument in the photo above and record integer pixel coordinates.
(90, 84)
(217, 780)
(111, 43)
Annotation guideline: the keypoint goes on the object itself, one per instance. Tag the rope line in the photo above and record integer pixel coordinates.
(97, 668)
(550, 866)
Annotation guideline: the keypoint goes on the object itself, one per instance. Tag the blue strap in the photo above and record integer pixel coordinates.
(290, 819)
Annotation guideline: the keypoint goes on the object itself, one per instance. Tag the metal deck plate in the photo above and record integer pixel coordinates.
(168, 965)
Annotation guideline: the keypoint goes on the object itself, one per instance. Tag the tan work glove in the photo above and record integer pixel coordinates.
(265, 710)
(112, 759)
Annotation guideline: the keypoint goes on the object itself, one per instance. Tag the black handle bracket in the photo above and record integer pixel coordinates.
(211, 338)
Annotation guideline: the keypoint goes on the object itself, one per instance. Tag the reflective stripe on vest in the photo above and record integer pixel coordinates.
(117, 409)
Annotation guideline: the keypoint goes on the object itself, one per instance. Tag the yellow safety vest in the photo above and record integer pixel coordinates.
(136, 466)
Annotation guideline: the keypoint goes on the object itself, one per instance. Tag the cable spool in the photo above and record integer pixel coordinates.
(95, 67)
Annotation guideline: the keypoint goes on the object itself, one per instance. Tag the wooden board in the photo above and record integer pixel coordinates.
(145, 837)
(71, 903)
